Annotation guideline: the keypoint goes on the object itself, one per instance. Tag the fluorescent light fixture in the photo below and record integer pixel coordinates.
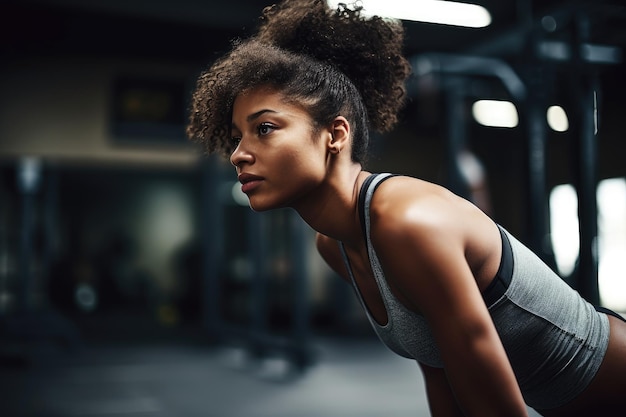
(564, 222)
(557, 119)
(429, 11)
(611, 196)
(495, 113)
(564, 227)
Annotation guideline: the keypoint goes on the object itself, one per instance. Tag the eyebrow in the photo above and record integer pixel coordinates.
(256, 115)
(253, 116)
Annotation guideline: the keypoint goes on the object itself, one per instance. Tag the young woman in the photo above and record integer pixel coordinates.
(491, 326)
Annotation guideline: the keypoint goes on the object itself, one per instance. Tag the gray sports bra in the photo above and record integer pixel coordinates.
(555, 340)
(406, 333)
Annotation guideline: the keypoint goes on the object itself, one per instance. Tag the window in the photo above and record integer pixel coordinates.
(611, 197)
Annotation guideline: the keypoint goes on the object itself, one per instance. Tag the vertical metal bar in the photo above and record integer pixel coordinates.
(587, 279)
(456, 127)
(301, 300)
(585, 87)
(50, 224)
(258, 297)
(538, 81)
(28, 179)
(24, 295)
(212, 238)
(587, 208)
(537, 199)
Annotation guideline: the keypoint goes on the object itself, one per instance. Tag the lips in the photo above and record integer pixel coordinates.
(249, 182)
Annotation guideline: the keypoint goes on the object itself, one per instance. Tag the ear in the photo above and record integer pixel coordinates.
(339, 135)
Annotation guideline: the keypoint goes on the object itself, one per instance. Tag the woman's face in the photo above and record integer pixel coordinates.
(279, 159)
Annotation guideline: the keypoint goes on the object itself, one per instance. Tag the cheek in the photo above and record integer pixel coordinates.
(311, 163)
(310, 157)
(298, 173)
(298, 167)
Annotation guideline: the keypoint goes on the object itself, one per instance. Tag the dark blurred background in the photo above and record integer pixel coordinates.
(135, 280)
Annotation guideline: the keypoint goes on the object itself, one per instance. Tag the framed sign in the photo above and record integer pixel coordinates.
(147, 110)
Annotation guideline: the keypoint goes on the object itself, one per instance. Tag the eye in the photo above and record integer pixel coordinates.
(265, 129)
(235, 136)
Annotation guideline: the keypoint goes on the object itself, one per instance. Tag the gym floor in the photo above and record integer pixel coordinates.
(179, 376)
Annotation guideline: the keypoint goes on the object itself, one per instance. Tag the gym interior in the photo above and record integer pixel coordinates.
(136, 281)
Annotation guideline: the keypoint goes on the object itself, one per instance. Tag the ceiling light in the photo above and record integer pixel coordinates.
(429, 11)
(495, 113)
(557, 119)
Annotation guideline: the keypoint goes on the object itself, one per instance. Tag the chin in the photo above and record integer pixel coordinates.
(260, 206)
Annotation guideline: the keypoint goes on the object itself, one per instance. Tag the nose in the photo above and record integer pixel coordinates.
(241, 155)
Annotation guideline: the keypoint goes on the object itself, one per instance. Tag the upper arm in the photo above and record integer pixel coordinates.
(422, 251)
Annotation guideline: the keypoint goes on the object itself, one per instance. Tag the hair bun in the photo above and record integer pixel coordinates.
(367, 50)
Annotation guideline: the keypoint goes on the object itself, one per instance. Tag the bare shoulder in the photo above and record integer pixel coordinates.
(431, 225)
(404, 205)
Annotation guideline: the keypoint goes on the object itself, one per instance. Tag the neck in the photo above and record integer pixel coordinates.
(332, 210)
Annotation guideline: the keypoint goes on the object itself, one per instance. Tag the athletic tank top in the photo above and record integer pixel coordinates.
(555, 340)
(405, 333)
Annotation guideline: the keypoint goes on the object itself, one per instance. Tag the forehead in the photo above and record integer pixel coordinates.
(257, 95)
(266, 98)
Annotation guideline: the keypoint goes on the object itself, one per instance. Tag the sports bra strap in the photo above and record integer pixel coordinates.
(363, 195)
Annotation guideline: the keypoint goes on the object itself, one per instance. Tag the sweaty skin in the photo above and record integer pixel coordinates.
(437, 250)
(294, 104)
(416, 227)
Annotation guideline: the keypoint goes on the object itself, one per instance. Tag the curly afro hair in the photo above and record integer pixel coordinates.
(333, 62)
